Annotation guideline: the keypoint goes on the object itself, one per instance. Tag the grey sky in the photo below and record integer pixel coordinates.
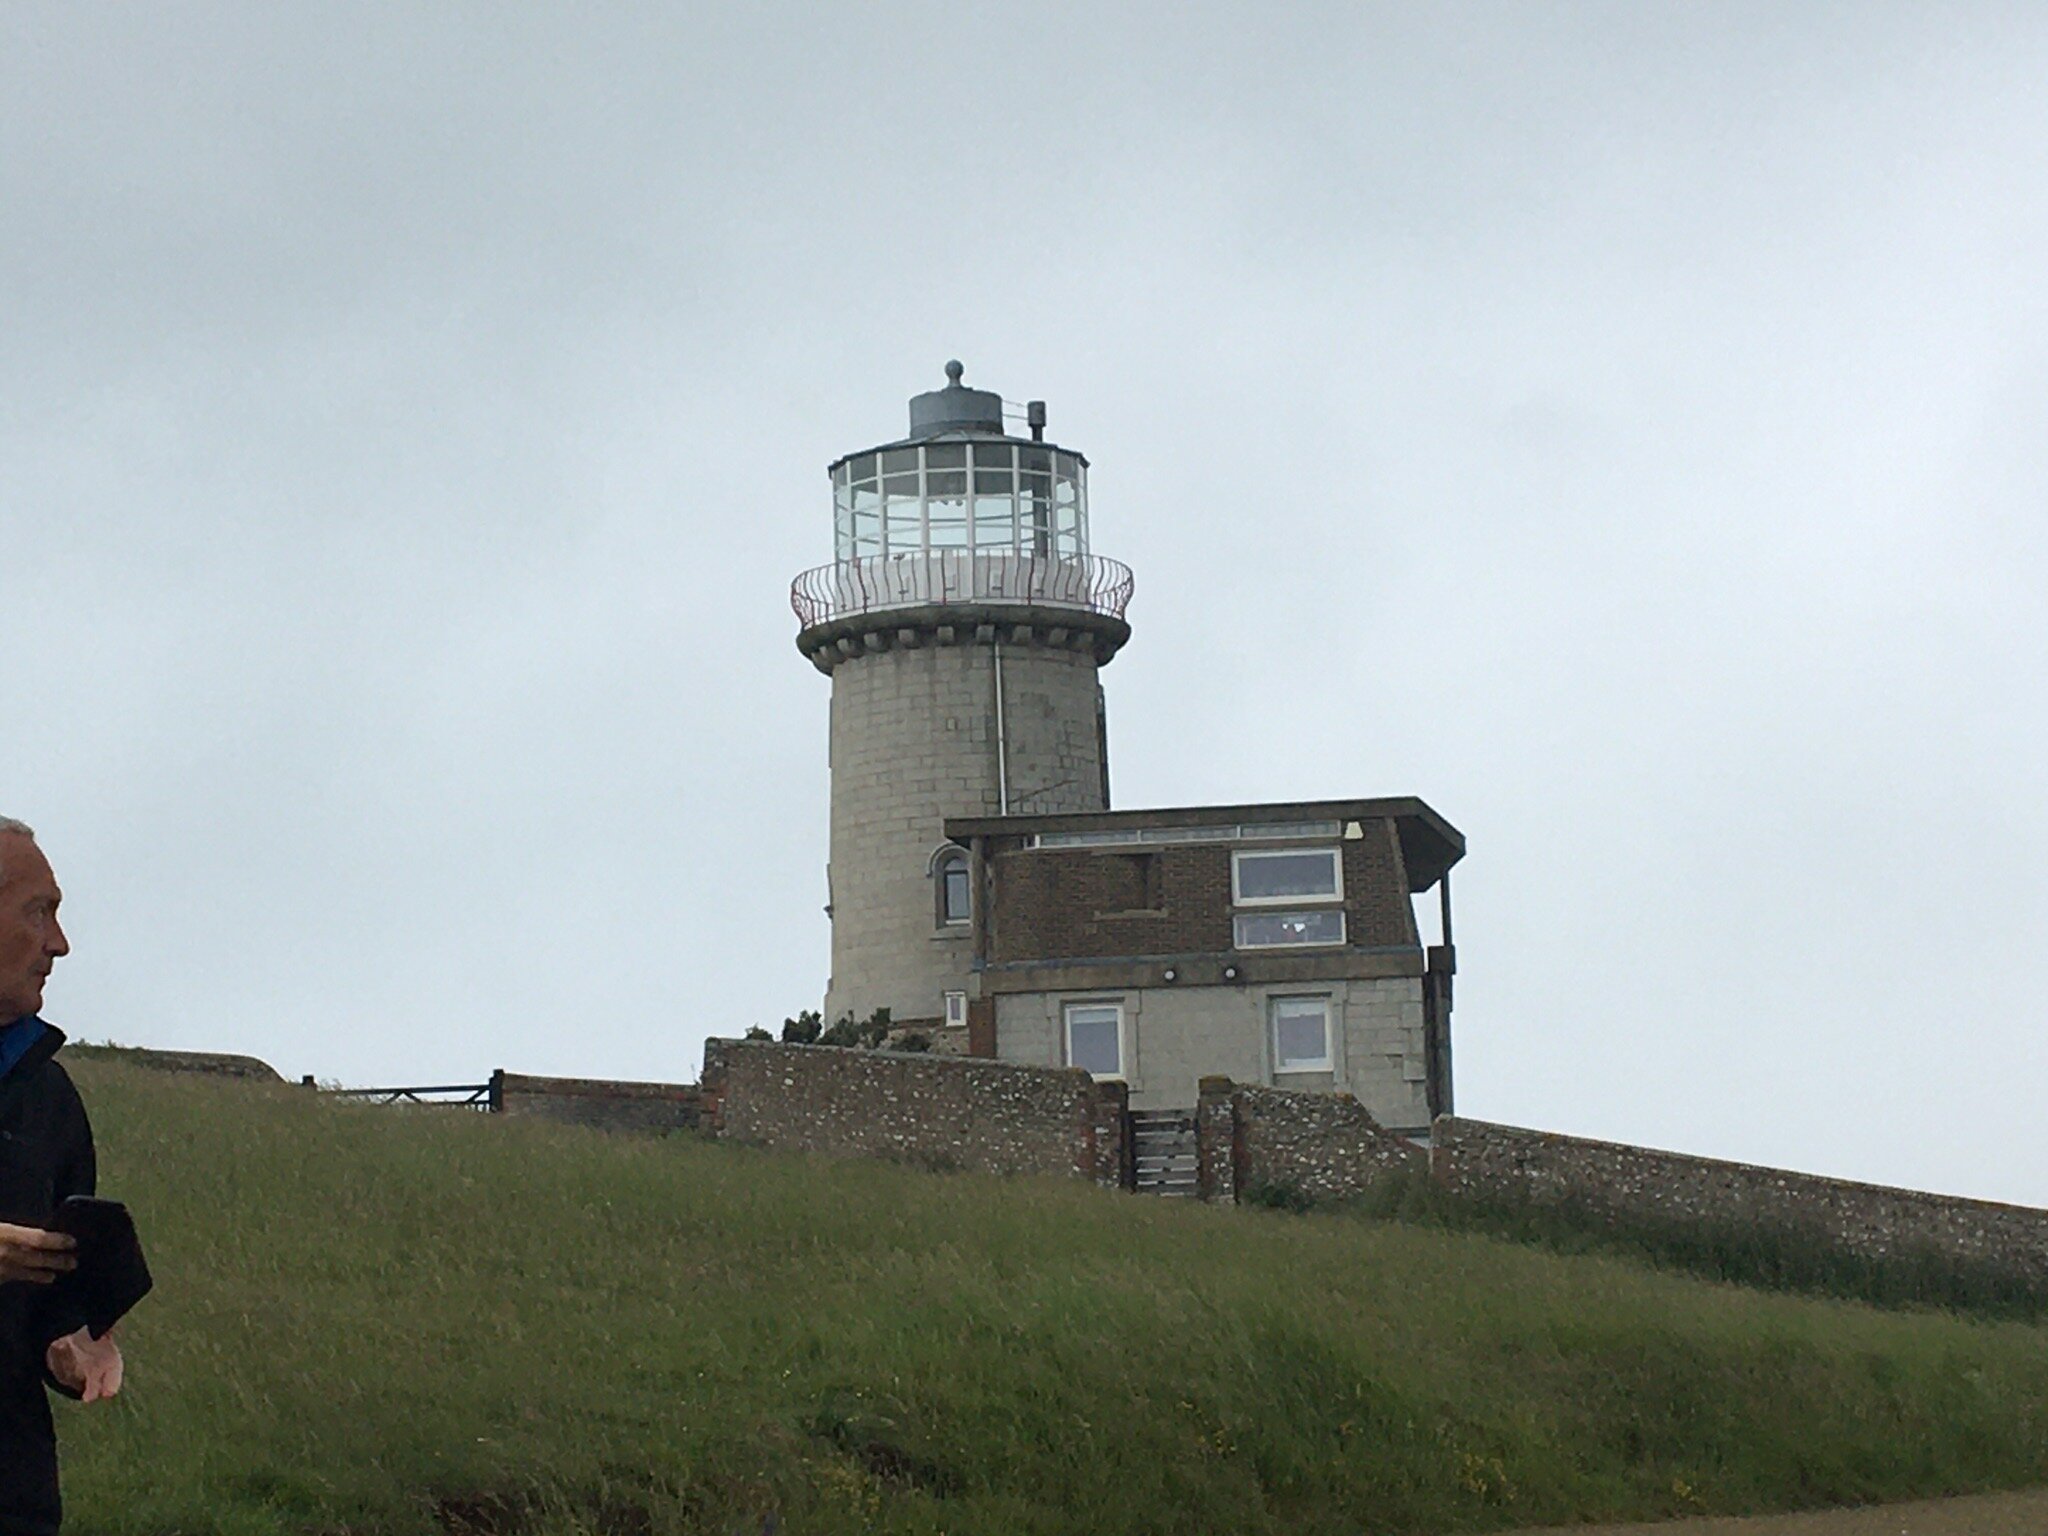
(1619, 425)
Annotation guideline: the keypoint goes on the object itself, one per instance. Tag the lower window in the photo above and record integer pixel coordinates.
(1095, 1038)
(1279, 930)
(1301, 1034)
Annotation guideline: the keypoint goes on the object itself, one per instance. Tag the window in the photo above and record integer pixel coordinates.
(1281, 930)
(1285, 874)
(954, 892)
(1301, 1034)
(956, 1008)
(1095, 1038)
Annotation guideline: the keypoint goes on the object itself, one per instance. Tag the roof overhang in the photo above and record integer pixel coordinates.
(1430, 845)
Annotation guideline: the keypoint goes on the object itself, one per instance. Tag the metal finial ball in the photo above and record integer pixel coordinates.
(953, 371)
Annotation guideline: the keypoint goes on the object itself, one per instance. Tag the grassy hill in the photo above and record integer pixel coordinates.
(375, 1320)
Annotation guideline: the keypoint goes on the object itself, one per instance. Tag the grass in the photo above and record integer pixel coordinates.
(379, 1320)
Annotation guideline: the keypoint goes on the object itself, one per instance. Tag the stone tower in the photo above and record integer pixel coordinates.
(963, 621)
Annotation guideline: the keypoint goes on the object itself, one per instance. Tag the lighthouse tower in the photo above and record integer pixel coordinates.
(963, 622)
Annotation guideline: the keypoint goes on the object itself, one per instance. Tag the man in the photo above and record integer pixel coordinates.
(45, 1155)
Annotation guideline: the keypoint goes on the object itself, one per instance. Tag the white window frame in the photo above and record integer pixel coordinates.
(942, 863)
(1239, 855)
(956, 1009)
(1123, 1042)
(1273, 1005)
(1237, 940)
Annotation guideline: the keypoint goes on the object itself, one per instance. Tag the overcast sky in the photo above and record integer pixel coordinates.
(1620, 426)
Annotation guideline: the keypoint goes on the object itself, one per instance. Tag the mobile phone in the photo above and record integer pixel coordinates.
(97, 1224)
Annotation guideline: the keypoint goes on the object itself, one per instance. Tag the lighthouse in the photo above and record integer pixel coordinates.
(964, 621)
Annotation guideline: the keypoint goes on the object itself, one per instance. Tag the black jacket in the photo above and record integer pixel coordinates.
(45, 1155)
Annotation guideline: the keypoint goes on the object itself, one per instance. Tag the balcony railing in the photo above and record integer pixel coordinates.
(853, 587)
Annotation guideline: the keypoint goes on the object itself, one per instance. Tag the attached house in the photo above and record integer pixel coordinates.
(1272, 944)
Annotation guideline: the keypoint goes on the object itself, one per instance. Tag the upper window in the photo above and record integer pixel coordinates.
(954, 888)
(1095, 1038)
(1286, 930)
(1301, 1033)
(1286, 874)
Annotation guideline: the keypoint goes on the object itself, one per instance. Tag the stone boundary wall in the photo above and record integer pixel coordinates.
(605, 1105)
(206, 1063)
(931, 1111)
(1500, 1162)
(1326, 1146)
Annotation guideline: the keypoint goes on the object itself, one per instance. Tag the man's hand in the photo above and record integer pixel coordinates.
(88, 1366)
(31, 1254)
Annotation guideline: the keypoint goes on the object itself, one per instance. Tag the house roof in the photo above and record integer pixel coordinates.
(1429, 844)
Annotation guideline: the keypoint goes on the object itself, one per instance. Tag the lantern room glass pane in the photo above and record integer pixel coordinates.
(945, 456)
(946, 506)
(994, 455)
(905, 528)
(995, 524)
(867, 534)
(862, 468)
(899, 461)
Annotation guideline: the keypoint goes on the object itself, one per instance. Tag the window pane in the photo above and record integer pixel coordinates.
(1281, 876)
(1301, 1034)
(946, 456)
(906, 533)
(994, 455)
(1092, 1043)
(995, 525)
(867, 534)
(1291, 829)
(866, 498)
(862, 468)
(950, 482)
(956, 898)
(1279, 930)
(898, 460)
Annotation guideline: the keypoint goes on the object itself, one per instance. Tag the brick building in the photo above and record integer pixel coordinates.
(980, 887)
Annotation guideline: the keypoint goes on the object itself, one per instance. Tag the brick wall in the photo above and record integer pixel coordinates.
(1168, 899)
(608, 1106)
(1322, 1145)
(986, 1116)
(1476, 1158)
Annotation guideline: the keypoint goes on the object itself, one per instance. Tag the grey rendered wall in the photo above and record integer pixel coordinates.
(913, 741)
(1176, 1036)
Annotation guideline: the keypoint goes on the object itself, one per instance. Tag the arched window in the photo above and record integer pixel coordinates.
(952, 887)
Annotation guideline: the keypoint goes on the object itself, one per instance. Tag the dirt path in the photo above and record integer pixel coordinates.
(1992, 1514)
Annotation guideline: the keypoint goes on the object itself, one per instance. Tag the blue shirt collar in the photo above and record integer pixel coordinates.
(17, 1039)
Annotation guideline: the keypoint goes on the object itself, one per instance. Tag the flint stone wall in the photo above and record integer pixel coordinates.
(597, 1102)
(1324, 1145)
(1501, 1162)
(985, 1116)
